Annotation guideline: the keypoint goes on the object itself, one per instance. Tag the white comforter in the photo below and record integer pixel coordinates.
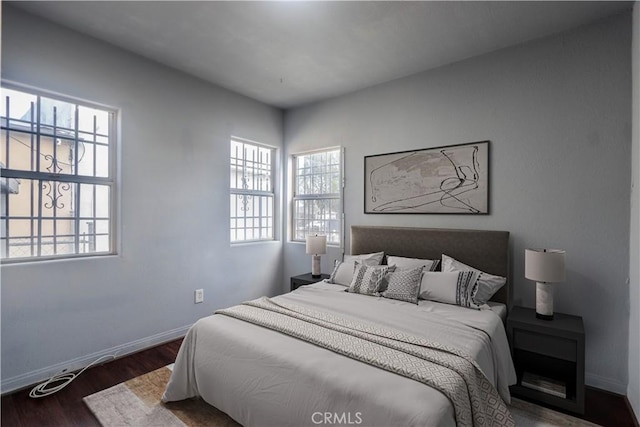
(264, 378)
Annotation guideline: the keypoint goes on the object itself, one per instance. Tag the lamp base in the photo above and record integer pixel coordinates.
(544, 301)
(544, 316)
(315, 267)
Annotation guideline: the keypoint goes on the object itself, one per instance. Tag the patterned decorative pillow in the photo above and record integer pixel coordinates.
(455, 287)
(404, 285)
(368, 279)
(488, 284)
(403, 263)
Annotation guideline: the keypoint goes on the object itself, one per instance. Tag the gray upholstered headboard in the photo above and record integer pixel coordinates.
(485, 250)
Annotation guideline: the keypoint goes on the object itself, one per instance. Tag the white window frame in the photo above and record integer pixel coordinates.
(62, 179)
(249, 195)
(338, 197)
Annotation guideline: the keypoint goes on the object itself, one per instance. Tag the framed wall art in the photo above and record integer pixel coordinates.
(441, 180)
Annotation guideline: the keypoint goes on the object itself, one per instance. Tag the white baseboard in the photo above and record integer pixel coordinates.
(9, 385)
(607, 384)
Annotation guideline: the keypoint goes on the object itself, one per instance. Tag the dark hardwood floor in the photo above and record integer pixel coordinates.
(67, 409)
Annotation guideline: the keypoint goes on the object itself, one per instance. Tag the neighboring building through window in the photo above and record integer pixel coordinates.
(57, 177)
(252, 191)
(317, 198)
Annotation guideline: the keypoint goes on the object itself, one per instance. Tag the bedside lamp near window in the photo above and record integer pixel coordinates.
(545, 266)
(316, 246)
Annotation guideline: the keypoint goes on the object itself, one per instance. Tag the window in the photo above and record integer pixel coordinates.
(57, 178)
(317, 184)
(252, 194)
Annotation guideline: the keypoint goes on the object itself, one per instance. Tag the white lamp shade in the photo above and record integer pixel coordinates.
(316, 245)
(544, 265)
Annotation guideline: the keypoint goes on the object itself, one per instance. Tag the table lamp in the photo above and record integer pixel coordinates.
(316, 246)
(545, 266)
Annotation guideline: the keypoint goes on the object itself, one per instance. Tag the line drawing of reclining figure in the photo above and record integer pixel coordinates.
(446, 180)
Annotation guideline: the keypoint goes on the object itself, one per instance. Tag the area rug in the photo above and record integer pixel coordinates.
(137, 403)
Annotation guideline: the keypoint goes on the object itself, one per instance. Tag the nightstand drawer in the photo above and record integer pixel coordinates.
(548, 345)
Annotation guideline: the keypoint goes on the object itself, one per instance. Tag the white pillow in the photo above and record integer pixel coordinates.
(403, 263)
(455, 287)
(368, 279)
(371, 259)
(488, 284)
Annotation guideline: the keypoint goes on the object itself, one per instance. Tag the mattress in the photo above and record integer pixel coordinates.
(500, 309)
(264, 378)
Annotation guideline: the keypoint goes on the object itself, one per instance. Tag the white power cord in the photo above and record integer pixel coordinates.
(64, 378)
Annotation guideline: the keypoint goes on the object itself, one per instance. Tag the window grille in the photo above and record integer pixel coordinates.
(317, 198)
(57, 180)
(252, 192)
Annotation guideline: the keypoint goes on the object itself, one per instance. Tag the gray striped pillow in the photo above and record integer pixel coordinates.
(342, 273)
(367, 279)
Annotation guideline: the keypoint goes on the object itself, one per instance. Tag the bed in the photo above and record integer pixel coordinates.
(263, 375)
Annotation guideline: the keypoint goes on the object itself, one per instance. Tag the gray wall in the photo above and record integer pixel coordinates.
(633, 391)
(174, 150)
(557, 112)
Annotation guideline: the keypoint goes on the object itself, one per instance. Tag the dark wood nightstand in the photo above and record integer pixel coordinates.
(549, 358)
(305, 279)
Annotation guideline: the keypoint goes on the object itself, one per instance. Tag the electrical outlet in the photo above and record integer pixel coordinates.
(198, 296)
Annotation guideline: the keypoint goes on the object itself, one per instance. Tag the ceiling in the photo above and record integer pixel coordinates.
(292, 53)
